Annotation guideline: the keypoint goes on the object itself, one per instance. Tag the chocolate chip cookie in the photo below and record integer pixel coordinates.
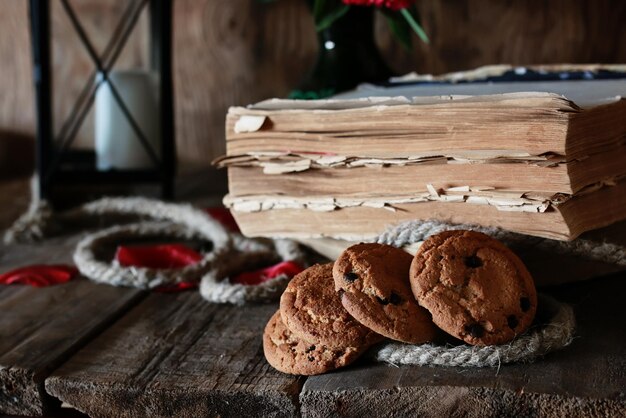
(312, 311)
(289, 354)
(373, 283)
(475, 287)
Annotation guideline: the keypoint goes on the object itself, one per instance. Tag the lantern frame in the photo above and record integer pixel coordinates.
(59, 165)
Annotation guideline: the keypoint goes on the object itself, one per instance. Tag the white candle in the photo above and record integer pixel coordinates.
(117, 145)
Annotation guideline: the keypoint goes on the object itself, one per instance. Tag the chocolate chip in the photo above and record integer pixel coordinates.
(382, 301)
(524, 303)
(473, 261)
(311, 348)
(395, 299)
(350, 276)
(311, 358)
(475, 330)
(512, 321)
(340, 293)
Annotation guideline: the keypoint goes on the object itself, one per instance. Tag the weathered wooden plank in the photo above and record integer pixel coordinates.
(41, 328)
(586, 379)
(52, 251)
(177, 355)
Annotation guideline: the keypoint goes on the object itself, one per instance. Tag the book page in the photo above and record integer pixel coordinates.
(585, 93)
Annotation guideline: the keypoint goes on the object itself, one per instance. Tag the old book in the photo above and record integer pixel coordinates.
(522, 156)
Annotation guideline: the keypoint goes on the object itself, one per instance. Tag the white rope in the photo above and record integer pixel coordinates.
(556, 334)
(111, 272)
(414, 231)
(231, 253)
(182, 214)
(217, 288)
(31, 226)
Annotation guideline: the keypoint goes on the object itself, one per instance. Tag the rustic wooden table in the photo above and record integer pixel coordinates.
(118, 352)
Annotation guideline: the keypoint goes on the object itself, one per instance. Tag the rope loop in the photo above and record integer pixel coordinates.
(250, 254)
(555, 333)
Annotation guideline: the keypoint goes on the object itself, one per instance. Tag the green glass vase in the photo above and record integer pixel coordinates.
(347, 57)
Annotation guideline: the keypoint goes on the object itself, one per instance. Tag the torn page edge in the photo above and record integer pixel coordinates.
(327, 204)
(287, 162)
(512, 201)
(249, 123)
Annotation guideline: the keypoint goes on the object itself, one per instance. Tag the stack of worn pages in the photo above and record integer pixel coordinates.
(544, 157)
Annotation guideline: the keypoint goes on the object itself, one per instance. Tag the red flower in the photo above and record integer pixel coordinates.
(389, 4)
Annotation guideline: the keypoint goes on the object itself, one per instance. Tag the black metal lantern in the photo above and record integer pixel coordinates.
(60, 165)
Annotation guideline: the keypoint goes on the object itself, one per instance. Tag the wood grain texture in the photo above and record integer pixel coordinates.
(470, 33)
(17, 156)
(242, 51)
(234, 52)
(41, 328)
(586, 379)
(17, 93)
(177, 355)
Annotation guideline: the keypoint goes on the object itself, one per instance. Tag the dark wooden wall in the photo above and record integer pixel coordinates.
(240, 51)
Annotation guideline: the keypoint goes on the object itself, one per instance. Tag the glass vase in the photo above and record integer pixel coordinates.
(347, 57)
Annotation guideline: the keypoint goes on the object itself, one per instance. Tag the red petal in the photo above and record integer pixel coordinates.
(223, 216)
(39, 275)
(174, 288)
(257, 277)
(165, 256)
